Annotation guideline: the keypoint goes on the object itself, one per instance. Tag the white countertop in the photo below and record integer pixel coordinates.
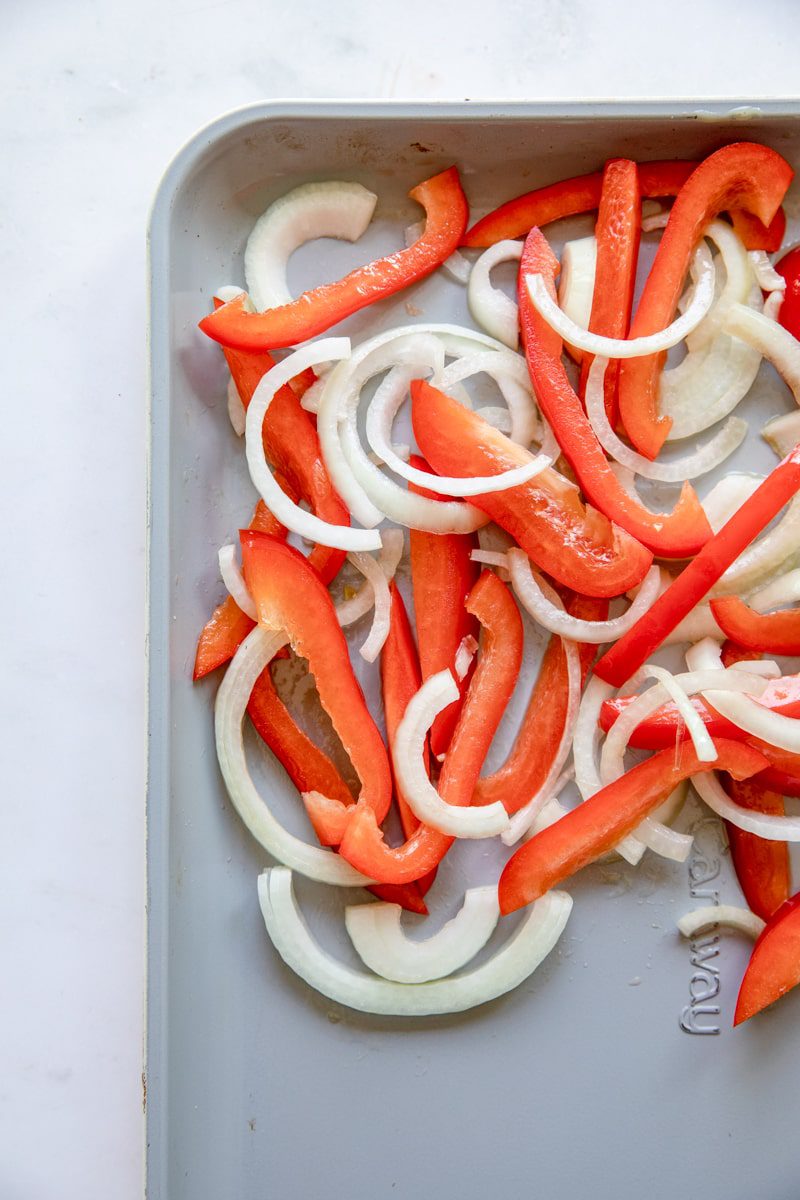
(97, 96)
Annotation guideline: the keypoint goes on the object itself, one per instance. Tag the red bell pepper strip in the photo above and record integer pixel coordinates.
(665, 726)
(772, 633)
(617, 233)
(678, 534)
(755, 234)
(762, 866)
(492, 684)
(446, 214)
(276, 575)
(574, 543)
(697, 579)
(443, 575)
(732, 653)
(776, 780)
(774, 966)
(597, 825)
(539, 736)
(789, 312)
(741, 174)
(292, 447)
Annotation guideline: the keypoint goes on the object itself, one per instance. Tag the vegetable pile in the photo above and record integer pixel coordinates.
(530, 505)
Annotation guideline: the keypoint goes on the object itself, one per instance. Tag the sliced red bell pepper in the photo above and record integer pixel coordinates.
(762, 866)
(574, 543)
(771, 633)
(539, 736)
(276, 575)
(789, 312)
(774, 966)
(597, 825)
(443, 575)
(492, 684)
(678, 534)
(697, 579)
(755, 234)
(732, 653)
(617, 234)
(744, 175)
(446, 214)
(785, 783)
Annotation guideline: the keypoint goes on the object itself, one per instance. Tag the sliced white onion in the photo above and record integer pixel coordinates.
(592, 343)
(773, 727)
(256, 651)
(662, 840)
(377, 575)
(498, 418)
(652, 222)
(313, 210)
(490, 558)
(771, 340)
(777, 548)
(412, 778)
(285, 510)
(467, 649)
(767, 277)
(783, 433)
(783, 591)
(491, 308)
(457, 266)
(229, 291)
(727, 496)
(233, 579)
(576, 280)
(350, 611)
(382, 944)
(709, 456)
(527, 585)
(701, 738)
(510, 373)
(707, 385)
(528, 946)
(741, 919)
(311, 396)
(773, 305)
(738, 286)
(552, 812)
(772, 827)
(236, 410)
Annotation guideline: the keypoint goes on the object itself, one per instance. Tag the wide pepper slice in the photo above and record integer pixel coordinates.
(678, 534)
(443, 574)
(575, 544)
(315, 311)
(745, 175)
(762, 865)
(774, 966)
(492, 684)
(771, 633)
(696, 580)
(277, 575)
(597, 825)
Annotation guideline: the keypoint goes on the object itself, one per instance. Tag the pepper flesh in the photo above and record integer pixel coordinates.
(446, 214)
(774, 966)
(696, 580)
(789, 311)
(762, 865)
(596, 826)
(492, 684)
(276, 575)
(443, 574)
(678, 534)
(572, 542)
(743, 174)
(772, 633)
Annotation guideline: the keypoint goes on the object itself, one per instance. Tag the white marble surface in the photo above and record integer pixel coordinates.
(97, 95)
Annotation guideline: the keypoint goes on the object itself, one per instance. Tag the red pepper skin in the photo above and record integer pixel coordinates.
(762, 866)
(276, 575)
(492, 684)
(539, 736)
(776, 780)
(789, 312)
(755, 234)
(314, 312)
(574, 543)
(697, 579)
(771, 633)
(443, 575)
(774, 966)
(740, 175)
(732, 653)
(595, 827)
(617, 233)
(678, 534)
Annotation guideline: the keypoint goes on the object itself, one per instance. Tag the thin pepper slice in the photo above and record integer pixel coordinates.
(276, 575)
(542, 727)
(762, 865)
(772, 633)
(743, 174)
(597, 825)
(678, 534)
(755, 234)
(697, 579)
(617, 234)
(492, 684)
(443, 574)
(572, 542)
(315, 311)
(774, 966)
(789, 311)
